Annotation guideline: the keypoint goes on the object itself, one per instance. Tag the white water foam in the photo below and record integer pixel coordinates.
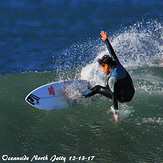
(124, 111)
(138, 46)
(93, 72)
(149, 83)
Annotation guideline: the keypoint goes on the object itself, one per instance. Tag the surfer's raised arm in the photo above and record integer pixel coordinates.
(110, 48)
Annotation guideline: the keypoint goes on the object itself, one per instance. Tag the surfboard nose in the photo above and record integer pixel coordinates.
(32, 99)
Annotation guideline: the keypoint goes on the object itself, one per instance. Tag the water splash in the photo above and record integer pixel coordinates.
(92, 72)
(148, 83)
(139, 45)
(124, 111)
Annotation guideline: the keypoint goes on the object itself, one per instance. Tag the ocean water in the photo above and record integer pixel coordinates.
(45, 40)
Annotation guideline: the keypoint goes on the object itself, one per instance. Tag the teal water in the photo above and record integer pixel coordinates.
(85, 130)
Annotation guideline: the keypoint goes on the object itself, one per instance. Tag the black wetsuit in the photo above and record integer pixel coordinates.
(123, 87)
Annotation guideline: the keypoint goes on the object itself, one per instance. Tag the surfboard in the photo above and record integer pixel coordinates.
(57, 95)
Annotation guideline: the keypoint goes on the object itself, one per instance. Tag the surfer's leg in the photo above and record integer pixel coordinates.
(93, 91)
(105, 91)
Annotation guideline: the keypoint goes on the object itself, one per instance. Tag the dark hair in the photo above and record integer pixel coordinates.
(106, 59)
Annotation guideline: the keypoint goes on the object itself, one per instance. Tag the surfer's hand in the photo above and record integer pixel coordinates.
(104, 35)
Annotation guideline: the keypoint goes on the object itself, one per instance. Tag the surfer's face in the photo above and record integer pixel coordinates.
(105, 69)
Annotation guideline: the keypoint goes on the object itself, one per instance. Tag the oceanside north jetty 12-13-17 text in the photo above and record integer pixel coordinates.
(52, 158)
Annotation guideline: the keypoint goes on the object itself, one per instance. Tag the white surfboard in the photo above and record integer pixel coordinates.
(57, 95)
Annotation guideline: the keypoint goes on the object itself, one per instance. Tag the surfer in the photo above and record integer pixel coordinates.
(119, 84)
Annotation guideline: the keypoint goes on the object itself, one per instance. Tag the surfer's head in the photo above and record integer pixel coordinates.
(106, 63)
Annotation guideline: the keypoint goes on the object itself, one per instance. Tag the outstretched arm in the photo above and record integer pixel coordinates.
(110, 48)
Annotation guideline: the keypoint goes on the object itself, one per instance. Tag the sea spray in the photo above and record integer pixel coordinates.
(138, 45)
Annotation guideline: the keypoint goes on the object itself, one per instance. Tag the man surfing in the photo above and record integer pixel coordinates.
(119, 83)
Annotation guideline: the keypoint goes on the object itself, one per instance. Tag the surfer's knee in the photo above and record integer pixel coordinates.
(97, 88)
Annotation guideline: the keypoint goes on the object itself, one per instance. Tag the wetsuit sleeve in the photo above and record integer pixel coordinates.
(111, 50)
(111, 83)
